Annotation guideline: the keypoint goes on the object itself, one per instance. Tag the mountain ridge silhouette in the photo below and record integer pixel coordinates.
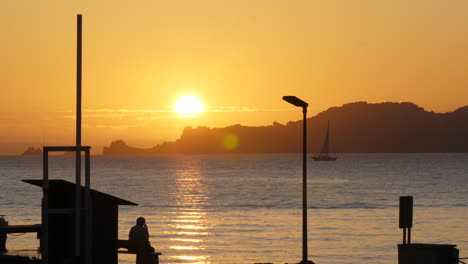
(358, 127)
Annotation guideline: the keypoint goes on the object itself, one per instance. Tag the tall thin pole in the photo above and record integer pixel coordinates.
(45, 207)
(89, 211)
(304, 188)
(409, 235)
(78, 138)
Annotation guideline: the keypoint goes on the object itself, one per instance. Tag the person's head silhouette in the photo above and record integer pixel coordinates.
(140, 221)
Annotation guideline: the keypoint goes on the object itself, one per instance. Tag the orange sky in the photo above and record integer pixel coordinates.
(240, 57)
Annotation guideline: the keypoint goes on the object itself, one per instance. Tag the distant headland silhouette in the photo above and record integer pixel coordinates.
(32, 151)
(358, 127)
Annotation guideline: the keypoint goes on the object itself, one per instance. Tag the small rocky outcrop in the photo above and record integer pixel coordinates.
(32, 151)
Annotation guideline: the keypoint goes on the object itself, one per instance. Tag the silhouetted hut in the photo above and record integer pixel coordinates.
(61, 222)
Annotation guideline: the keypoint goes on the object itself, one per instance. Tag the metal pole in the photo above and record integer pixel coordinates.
(304, 188)
(409, 235)
(404, 236)
(78, 139)
(45, 207)
(88, 207)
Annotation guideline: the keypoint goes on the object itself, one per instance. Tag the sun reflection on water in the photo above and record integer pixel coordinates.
(186, 240)
(185, 248)
(192, 259)
(189, 226)
(192, 233)
(186, 221)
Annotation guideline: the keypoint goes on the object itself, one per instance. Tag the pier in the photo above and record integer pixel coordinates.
(12, 229)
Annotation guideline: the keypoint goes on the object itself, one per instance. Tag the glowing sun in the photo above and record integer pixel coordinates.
(188, 105)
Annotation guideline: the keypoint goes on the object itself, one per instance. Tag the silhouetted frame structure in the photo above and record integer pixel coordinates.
(300, 103)
(46, 210)
(60, 224)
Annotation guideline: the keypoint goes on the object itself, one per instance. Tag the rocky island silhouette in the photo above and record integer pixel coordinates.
(32, 151)
(357, 127)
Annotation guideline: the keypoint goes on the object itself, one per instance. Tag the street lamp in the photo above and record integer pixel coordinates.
(299, 103)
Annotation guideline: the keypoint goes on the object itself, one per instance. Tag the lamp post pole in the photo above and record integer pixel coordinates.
(304, 187)
(299, 103)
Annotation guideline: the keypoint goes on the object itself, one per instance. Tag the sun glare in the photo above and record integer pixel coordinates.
(188, 105)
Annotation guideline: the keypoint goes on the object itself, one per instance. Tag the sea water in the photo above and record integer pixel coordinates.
(248, 208)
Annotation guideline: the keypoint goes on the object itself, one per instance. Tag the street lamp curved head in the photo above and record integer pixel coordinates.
(295, 101)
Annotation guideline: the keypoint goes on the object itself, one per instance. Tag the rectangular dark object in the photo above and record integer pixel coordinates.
(20, 229)
(406, 211)
(427, 254)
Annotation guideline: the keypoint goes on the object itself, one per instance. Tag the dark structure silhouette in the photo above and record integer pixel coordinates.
(3, 235)
(357, 127)
(61, 223)
(419, 253)
(5, 229)
(406, 217)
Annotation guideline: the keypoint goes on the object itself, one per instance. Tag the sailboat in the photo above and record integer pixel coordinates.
(323, 156)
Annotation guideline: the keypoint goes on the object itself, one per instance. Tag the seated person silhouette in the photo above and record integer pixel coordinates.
(139, 237)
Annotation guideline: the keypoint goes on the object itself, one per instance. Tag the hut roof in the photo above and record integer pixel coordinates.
(69, 186)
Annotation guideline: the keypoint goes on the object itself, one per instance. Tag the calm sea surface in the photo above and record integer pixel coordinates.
(243, 209)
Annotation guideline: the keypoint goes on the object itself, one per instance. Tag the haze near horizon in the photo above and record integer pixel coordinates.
(238, 57)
